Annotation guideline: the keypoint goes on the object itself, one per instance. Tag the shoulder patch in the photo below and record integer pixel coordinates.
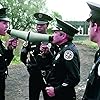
(68, 55)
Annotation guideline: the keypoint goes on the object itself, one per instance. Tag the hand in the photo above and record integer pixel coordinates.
(12, 43)
(44, 49)
(50, 91)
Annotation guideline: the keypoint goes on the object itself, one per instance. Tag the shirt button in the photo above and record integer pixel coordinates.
(53, 64)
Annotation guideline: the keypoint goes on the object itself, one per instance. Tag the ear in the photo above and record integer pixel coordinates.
(64, 35)
(99, 28)
(95, 27)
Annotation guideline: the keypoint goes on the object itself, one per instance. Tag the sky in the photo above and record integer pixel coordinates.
(75, 10)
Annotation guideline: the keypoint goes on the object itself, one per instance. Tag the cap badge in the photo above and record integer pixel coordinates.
(40, 15)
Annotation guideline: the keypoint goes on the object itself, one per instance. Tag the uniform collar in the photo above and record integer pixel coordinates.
(66, 43)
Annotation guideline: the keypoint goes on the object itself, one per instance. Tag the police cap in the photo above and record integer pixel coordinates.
(95, 11)
(42, 18)
(66, 27)
(3, 14)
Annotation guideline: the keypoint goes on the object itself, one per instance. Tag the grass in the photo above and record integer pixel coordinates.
(84, 40)
(87, 43)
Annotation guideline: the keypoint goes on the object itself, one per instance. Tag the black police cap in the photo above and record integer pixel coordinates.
(42, 18)
(66, 27)
(3, 14)
(95, 11)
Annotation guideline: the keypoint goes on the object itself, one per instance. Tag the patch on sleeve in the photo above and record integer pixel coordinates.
(68, 55)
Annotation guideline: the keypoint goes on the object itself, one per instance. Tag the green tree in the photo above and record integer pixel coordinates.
(53, 23)
(56, 14)
(21, 12)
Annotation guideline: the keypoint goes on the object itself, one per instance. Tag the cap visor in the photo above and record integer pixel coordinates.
(5, 19)
(41, 22)
(88, 20)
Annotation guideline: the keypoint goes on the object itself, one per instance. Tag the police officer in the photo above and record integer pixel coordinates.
(39, 57)
(65, 73)
(92, 91)
(6, 54)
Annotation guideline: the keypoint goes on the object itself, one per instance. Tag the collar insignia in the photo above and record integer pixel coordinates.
(58, 55)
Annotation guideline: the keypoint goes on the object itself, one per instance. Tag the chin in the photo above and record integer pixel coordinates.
(93, 40)
(2, 34)
(39, 31)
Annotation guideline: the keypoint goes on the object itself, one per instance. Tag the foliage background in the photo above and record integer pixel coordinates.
(21, 14)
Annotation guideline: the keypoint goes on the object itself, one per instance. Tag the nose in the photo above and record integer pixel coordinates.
(39, 26)
(7, 25)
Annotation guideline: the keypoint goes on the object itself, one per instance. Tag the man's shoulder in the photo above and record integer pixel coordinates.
(72, 47)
